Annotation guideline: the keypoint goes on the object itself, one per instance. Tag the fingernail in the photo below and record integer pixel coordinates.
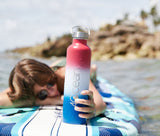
(75, 108)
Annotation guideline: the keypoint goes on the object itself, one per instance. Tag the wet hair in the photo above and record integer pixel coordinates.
(24, 76)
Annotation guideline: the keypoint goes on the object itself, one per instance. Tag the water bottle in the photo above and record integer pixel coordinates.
(77, 74)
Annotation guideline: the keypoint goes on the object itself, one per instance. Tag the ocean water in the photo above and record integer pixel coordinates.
(139, 79)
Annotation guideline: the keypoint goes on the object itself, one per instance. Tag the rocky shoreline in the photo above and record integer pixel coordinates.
(119, 42)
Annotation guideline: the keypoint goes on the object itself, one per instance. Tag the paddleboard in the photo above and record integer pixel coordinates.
(119, 119)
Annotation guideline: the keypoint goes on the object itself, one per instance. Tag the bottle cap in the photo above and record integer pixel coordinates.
(79, 32)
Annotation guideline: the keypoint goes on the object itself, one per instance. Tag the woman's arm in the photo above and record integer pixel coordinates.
(5, 102)
(100, 105)
(58, 100)
(95, 104)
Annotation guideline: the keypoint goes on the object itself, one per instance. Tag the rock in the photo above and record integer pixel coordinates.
(100, 35)
(49, 48)
(151, 47)
(59, 47)
(110, 42)
(121, 29)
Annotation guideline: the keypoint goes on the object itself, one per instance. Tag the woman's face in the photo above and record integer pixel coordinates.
(46, 91)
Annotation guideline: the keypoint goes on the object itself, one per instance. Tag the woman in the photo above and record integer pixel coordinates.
(34, 83)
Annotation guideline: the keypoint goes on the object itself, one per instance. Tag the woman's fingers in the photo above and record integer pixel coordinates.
(87, 92)
(89, 102)
(87, 116)
(88, 111)
(84, 109)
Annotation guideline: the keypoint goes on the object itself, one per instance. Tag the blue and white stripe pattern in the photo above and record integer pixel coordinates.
(119, 119)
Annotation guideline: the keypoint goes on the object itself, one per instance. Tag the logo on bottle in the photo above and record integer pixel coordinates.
(75, 86)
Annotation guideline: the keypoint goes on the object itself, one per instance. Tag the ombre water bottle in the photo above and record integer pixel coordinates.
(77, 74)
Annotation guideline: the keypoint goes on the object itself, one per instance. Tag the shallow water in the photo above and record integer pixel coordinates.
(139, 79)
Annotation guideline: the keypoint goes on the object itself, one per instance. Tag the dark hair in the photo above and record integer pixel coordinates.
(24, 76)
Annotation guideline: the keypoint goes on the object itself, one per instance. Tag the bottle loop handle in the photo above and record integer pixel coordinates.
(81, 31)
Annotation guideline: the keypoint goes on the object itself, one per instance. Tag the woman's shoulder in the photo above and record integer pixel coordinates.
(59, 62)
(60, 72)
(4, 99)
(5, 91)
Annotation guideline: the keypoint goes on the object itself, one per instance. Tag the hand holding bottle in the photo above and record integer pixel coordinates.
(88, 111)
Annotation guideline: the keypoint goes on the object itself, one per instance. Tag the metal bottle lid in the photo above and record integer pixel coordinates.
(79, 32)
